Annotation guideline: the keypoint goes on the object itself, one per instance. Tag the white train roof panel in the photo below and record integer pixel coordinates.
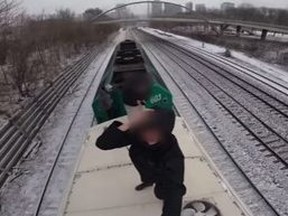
(104, 181)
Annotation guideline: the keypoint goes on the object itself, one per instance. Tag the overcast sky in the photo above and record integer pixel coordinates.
(48, 6)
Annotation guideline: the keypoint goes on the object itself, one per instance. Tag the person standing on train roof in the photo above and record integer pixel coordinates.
(140, 92)
(155, 153)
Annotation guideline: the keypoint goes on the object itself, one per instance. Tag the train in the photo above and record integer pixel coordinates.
(128, 62)
(103, 183)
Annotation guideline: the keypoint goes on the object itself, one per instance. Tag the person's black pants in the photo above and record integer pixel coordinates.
(172, 198)
(142, 163)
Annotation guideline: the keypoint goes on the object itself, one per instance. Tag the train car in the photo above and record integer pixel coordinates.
(128, 62)
(104, 181)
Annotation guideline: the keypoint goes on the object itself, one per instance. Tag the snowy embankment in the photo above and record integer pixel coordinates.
(272, 71)
(68, 124)
(11, 101)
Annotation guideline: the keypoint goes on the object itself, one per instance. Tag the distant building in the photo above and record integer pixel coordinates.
(114, 15)
(120, 11)
(227, 5)
(123, 12)
(190, 6)
(170, 9)
(200, 7)
(246, 5)
(156, 8)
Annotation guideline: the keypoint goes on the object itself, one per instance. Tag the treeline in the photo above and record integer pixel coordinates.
(252, 14)
(267, 15)
(33, 49)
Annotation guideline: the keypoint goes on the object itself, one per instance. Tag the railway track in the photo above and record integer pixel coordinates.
(269, 129)
(242, 69)
(41, 200)
(254, 75)
(241, 102)
(22, 128)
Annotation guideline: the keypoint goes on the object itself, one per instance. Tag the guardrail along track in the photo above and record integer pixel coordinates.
(223, 87)
(18, 133)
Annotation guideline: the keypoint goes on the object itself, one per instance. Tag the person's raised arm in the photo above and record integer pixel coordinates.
(115, 136)
(118, 134)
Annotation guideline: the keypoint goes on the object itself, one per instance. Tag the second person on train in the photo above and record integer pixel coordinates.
(154, 152)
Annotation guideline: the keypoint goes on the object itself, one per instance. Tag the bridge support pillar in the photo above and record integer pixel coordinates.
(264, 34)
(223, 28)
(238, 30)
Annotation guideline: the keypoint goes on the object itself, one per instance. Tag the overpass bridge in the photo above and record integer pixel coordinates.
(201, 20)
(223, 24)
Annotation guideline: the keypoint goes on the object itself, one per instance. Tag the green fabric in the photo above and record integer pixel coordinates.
(100, 114)
(118, 104)
(160, 98)
(116, 111)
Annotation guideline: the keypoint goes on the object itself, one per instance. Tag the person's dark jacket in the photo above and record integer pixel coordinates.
(168, 159)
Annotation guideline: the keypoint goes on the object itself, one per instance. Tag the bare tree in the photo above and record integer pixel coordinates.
(35, 48)
(65, 14)
(91, 12)
(7, 11)
(8, 8)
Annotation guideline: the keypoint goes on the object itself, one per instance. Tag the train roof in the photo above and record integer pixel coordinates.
(104, 181)
(128, 45)
(130, 68)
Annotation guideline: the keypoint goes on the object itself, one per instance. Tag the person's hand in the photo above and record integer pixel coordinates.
(138, 118)
(125, 126)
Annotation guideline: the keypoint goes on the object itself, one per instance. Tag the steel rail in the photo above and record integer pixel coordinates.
(202, 54)
(277, 137)
(210, 129)
(258, 137)
(22, 128)
(266, 98)
(63, 142)
(280, 108)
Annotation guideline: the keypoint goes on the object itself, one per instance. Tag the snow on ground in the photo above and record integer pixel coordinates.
(277, 72)
(2, 122)
(233, 137)
(273, 37)
(20, 195)
(177, 38)
(12, 102)
(34, 170)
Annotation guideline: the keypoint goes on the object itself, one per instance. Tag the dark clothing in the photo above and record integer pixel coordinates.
(161, 163)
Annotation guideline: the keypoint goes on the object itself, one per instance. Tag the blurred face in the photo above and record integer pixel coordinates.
(151, 136)
(143, 90)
